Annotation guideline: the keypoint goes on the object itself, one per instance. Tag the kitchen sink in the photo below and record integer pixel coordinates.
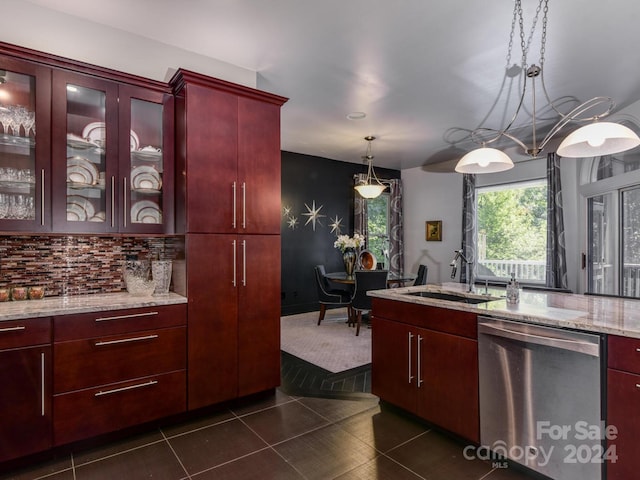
(450, 297)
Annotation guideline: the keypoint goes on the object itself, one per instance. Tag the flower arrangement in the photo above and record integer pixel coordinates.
(343, 242)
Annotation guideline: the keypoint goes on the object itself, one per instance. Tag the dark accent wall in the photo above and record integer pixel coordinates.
(329, 183)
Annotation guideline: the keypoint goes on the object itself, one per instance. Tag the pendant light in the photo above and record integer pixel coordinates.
(372, 187)
(594, 139)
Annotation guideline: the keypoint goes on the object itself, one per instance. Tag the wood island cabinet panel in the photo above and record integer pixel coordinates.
(394, 363)
(624, 353)
(430, 372)
(623, 405)
(25, 402)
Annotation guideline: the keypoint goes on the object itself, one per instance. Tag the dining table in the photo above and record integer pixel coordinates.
(392, 280)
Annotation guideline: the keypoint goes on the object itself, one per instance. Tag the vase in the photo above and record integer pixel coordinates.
(349, 259)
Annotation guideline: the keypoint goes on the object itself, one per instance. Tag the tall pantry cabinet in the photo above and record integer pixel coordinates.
(228, 207)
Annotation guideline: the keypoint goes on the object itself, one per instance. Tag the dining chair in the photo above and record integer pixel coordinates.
(329, 296)
(421, 277)
(366, 280)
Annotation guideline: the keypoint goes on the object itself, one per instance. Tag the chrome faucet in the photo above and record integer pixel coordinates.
(454, 267)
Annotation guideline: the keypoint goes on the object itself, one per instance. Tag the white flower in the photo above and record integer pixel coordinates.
(344, 241)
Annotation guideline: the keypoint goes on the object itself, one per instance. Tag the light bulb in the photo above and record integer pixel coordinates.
(483, 162)
(596, 141)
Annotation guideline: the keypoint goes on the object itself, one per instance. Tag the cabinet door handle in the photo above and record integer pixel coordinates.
(419, 361)
(233, 191)
(121, 317)
(126, 340)
(12, 329)
(125, 214)
(244, 263)
(42, 385)
(124, 389)
(244, 205)
(638, 350)
(113, 201)
(409, 357)
(233, 280)
(42, 201)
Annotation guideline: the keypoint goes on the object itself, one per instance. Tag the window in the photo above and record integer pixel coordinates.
(378, 228)
(512, 231)
(611, 191)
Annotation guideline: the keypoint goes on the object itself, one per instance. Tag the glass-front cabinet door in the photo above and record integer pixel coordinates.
(25, 99)
(146, 160)
(85, 153)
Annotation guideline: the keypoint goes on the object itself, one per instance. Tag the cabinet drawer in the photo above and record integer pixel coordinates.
(24, 333)
(455, 322)
(92, 325)
(97, 361)
(91, 412)
(624, 354)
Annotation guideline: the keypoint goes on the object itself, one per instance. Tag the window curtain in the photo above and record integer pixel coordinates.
(556, 276)
(468, 225)
(396, 238)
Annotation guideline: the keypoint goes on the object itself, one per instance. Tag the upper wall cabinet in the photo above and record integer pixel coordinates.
(25, 115)
(83, 149)
(229, 144)
(112, 150)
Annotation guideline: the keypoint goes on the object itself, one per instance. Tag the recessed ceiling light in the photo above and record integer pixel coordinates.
(356, 115)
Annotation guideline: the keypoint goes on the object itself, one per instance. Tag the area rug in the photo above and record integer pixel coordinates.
(332, 345)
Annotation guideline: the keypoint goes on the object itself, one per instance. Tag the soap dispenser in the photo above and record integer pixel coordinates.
(513, 290)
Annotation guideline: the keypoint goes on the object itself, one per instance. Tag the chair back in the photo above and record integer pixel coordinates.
(367, 280)
(421, 278)
(325, 292)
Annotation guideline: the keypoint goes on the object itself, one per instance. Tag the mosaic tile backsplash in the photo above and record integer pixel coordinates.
(77, 265)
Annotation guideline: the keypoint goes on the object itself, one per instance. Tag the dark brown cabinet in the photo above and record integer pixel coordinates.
(25, 193)
(25, 373)
(425, 360)
(228, 205)
(623, 404)
(117, 369)
(112, 156)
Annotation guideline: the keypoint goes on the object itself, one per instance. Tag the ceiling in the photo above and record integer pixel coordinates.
(424, 72)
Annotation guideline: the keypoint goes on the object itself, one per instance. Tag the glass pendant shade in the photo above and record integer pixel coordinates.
(370, 190)
(484, 160)
(596, 139)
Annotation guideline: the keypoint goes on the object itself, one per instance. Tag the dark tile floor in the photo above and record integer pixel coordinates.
(280, 437)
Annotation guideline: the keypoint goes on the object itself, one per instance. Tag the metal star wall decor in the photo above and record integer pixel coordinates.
(286, 211)
(314, 215)
(293, 222)
(335, 225)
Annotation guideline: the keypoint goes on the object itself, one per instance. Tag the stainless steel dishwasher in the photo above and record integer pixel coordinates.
(540, 398)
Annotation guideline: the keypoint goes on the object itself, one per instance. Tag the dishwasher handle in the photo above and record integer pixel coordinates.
(587, 348)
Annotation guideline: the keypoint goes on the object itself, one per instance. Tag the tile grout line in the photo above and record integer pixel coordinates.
(175, 454)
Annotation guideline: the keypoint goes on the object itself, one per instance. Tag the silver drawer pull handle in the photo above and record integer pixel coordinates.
(637, 385)
(638, 350)
(120, 317)
(13, 329)
(124, 389)
(126, 340)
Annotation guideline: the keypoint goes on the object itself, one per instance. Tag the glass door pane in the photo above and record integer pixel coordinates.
(601, 257)
(630, 200)
(86, 155)
(17, 146)
(146, 167)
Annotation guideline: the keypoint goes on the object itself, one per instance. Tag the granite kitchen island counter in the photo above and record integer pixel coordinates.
(49, 306)
(610, 315)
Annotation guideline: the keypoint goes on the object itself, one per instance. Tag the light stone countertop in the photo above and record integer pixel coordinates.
(616, 316)
(49, 306)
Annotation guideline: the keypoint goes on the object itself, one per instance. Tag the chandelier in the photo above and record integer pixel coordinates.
(372, 187)
(595, 139)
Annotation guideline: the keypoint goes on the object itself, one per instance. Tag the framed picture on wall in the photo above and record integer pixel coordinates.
(434, 230)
